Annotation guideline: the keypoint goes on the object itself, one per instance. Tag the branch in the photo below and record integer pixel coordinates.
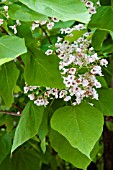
(46, 34)
(9, 113)
(20, 109)
(20, 60)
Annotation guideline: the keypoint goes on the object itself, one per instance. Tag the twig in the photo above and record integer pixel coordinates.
(9, 113)
(45, 34)
(20, 60)
(20, 109)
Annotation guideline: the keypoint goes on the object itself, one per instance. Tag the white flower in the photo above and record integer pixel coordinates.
(54, 92)
(55, 19)
(31, 96)
(1, 21)
(68, 30)
(41, 101)
(92, 10)
(67, 98)
(46, 102)
(89, 4)
(72, 70)
(78, 100)
(62, 31)
(85, 82)
(98, 3)
(93, 58)
(94, 94)
(96, 70)
(43, 22)
(50, 25)
(6, 8)
(103, 62)
(97, 84)
(74, 103)
(18, 22)
(14, 28)
(59, 39)
(62, 93)
(48, 52)
(26, 89)
(34, 25)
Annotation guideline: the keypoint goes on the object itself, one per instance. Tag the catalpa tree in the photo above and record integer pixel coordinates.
(56, 97)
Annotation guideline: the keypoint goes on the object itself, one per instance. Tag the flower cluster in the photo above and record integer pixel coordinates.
(79, 66)
(90, 6)
(49, 23)
(5, 12)
(14, 27)
(41, 95)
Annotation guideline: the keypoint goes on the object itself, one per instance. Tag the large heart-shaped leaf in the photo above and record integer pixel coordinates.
(42, 70)
(68, 153)
(62, 9)
(28, 125)
(81, 125)
(10, 48)
(22, 13)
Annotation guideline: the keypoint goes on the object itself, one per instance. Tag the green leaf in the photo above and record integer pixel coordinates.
(102, 19)
(6, 164)
(28, 125)
(10, 48)
(102, 81)
(43, 130)
(62, 24)
(44, 127)
(112, 4)
(105, 3)
(22, 13)
(81, 125)
(5, 146)
(67, 152)
(64, 10)
(2, 119)
(105, 102)
(24, 31)
(76, 34)
(44, 70)
(26, 160)
(23, 159)
(98, 38)
(9, 75)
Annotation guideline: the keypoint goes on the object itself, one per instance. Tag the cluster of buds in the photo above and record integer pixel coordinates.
(79, 66)
(49, 23)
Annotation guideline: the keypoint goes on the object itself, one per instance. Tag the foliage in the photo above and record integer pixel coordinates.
(56, 69)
